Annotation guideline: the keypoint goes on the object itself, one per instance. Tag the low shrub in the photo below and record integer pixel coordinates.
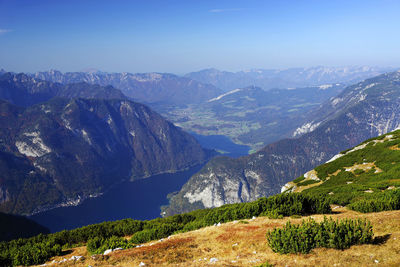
(99, 245)
(194, 225)
(21, 253)
(299, 179)
(266, 264)
(387, 201)
(304, 237)
(144, 236)
(274, 214)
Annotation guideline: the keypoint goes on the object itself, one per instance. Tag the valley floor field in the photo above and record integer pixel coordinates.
(243, 243)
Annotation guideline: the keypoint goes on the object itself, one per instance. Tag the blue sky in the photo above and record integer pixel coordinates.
(182, 36)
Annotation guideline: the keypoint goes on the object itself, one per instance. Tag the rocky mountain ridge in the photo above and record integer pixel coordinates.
(24, 90)
(149, 88)
(353, 95)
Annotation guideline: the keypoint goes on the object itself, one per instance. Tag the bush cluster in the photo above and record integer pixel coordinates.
(108, 235)
(28, 251)
(304, 237)
(388, 201)
(98, 245)
(38, 249)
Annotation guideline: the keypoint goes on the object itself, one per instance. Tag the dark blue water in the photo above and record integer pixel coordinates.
(140, 200)
(221, 142)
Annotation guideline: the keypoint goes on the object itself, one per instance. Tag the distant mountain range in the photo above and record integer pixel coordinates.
(239, 114)
(149, 88)
(361, 111)
(23, 90)
(248, 114)
(58, 151)
(286, 78)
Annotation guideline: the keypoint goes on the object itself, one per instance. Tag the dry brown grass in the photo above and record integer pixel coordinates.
(395, 147)
(238, 244)
(366, 166)
(304, 187)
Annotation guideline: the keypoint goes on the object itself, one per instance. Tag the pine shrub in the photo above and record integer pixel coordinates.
(304, 237)
(99, 245)
(387, 201)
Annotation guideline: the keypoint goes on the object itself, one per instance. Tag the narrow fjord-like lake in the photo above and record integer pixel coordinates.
(140, 199)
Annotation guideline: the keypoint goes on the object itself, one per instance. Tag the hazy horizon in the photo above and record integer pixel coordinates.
(94, 70)
(185, 36)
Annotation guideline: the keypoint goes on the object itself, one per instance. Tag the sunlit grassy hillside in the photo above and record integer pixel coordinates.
(243, 243)
(366, 177)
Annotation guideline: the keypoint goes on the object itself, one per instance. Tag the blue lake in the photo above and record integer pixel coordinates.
(139, 199)
(221, 142)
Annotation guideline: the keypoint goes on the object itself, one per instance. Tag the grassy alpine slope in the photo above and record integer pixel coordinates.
(366, 177)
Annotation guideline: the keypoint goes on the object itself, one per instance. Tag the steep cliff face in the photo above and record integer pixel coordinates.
(64, 150)
(368, 109)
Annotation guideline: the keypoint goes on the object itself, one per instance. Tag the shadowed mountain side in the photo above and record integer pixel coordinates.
(13, 227)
